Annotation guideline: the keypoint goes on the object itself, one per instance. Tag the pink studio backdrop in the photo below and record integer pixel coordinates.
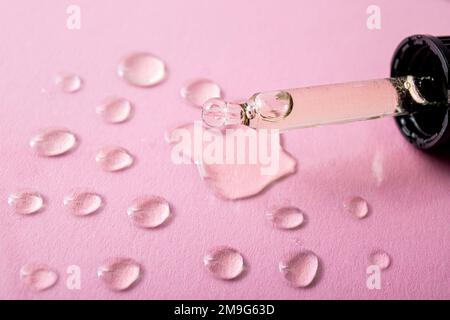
(246, 46)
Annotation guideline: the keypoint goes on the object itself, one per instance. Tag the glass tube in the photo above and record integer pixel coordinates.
(320, 105)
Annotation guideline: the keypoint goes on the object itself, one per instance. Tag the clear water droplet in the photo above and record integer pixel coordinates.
(114, 158)
(53, 142)
(115, 110)
(357, 206)
(82, 202)
(198, 91)
(149, 211)
(286, 217)
(300, 269)
(142, 69)
(271, 106)
(119, 273)
(38, 277)
(26, 201)
(380, 258)
(224, 263)
(68, 82)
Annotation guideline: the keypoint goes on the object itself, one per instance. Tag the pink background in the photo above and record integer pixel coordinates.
(246, 46)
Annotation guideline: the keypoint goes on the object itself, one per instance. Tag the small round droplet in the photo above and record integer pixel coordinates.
(114, 158)
(82, 203)
(115, 110)
(198, 91)
(142, 69)
(119, 273)
(26, 201)
(300, 269)
(286, 217)
(357, 206)
(68, 82)
(53, 142)
(380, 258)
(149, 211)
(224, 263)
(38, 277)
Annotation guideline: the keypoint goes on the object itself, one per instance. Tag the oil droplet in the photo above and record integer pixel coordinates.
(198, 91)
(234, 179)
(149, 211)
(119, 273)
(26, 201)
(68, 82)
(300, 269)
(82, 203)
(380, 258)
(142, 69)
(357, 206)
(224, 263)
(53, 142)
(114, 158)
(286, 217)
(38, 277)
(115, 110)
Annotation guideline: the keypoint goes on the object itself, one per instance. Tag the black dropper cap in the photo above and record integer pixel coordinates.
(421, 56)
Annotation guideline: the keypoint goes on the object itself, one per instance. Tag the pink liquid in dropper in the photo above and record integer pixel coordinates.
(319, 105)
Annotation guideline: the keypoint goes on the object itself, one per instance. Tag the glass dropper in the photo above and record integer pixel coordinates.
(325, 104)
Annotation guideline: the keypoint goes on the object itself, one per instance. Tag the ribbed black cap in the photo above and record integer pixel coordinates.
(424, 55)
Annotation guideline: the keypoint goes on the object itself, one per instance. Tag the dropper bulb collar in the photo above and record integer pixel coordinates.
(425, 56)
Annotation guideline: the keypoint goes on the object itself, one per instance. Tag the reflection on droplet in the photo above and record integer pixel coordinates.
(53, 142)
(68, 82)
(357, 206)
(224, 263)
(380, 258)
(300, 269)
(26, 201)
(149, 211)
(82, 202)
(198, 91)
(114, 158)
(119, 273)
(38, 277)
(286, 217)
(115, 110)
(142, 69)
